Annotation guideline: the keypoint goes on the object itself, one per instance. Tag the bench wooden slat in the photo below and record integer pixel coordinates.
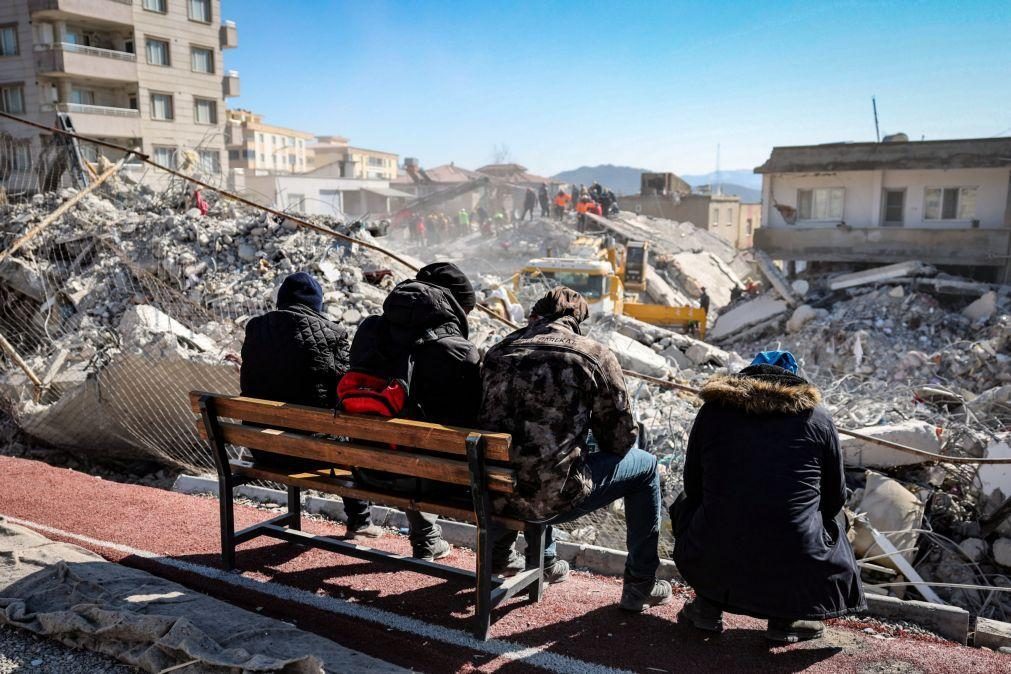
(433, 437)
(322, 481)
(453, 471)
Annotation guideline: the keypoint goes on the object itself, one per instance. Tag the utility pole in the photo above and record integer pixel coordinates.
(874, 104)
(719, 178)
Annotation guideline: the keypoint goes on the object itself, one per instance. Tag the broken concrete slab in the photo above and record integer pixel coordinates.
(879, 274)
(912, 433)
(982, 309)
(994, 476)
(705, 270)
(776, 278)
(801, 316)
(22, 277)
(950, 622)
(747, 314)
(635, 356)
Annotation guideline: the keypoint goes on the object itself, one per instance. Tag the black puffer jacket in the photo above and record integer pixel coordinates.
(425, 319)
(759, 528)
(294, 355)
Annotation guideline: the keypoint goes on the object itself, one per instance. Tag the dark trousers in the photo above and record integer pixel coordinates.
(527, 209)
(634, 478)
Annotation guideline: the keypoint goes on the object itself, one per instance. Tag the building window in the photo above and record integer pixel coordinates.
(296, 202)
(823, 203)
(210, 161)
(164, 156)
(200, 10)
(160, 6)
(894, 202)
(949, 203)
(202, 59)
(158, 52)
(12, 99)
(205, 111)
(376, 162)
(748, 226)
(82, 96)
(161, 106)
(22, 155)
(9, 40)
(233, 155)
(730, 217)
(262, 158)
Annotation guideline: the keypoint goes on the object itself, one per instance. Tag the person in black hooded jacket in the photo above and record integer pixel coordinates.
(759, 528)
(295, 355)
(426, 317)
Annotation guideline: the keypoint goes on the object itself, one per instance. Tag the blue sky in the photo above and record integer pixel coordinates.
(650, 84)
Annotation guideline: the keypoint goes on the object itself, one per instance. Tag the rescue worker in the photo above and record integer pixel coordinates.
(427, 318)
(529, 201)
(704, 300)
(295, 354)
(548, 386)
(561, 203)
(542, 197)
(463, 222)
(759, 529)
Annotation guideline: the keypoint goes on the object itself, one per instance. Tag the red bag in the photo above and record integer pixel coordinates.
(364, 393)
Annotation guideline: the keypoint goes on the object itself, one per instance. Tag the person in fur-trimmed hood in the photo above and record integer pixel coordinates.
(759, 528)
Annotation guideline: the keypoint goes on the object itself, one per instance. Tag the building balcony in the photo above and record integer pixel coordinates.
(977, 246)
(112, 11)
(101, 120)
(230, 84)
(228, 35)
(73, 60)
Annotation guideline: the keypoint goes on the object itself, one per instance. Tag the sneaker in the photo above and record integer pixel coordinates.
(556, 572)
(434, 551)
(792, 631)
(703, 614)
(365, 531)
(511, 566)
(637, 596)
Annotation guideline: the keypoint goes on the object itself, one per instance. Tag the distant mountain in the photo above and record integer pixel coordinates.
(621, 179)
(742, 177)
(625, 180)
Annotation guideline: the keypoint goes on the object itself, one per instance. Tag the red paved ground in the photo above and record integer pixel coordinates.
(579, 618)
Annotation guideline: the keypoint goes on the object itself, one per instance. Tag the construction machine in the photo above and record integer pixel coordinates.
(612, 281)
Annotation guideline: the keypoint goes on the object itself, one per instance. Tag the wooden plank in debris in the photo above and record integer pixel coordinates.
(422, 435)
(452, 471)
(12, 353)
(904, 566)
(60, 210)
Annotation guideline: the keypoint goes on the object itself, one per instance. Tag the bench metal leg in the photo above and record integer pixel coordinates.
(482, 509)
(294, 508)
(225, 502)
(535, 543)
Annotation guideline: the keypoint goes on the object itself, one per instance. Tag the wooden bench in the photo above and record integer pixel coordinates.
(463, 457)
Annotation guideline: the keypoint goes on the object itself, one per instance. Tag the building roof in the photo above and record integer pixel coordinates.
(514, 173)
(446, 173)
(388, 192)
(930, 154)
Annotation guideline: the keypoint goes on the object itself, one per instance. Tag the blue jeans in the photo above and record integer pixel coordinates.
(634, 478)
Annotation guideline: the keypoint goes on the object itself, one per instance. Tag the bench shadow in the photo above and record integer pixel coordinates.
(645, 642)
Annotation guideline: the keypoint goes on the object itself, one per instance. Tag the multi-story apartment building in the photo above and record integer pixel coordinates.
(253, 145)
(352, 162)
(145, 73)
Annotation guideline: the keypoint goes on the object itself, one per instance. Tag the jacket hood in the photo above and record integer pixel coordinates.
(415, 306)
(300, 288)
(762, 390)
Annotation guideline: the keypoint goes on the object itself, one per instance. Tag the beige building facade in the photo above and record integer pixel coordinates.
(253, 145)
(722, 214)
(145, 73)
(352, 162)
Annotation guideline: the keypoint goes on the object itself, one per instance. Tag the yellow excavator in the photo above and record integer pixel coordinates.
(612, 281)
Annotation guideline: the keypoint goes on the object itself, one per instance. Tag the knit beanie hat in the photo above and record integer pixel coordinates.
(300, 288)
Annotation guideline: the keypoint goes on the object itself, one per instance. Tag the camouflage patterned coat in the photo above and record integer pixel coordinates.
(547, 386)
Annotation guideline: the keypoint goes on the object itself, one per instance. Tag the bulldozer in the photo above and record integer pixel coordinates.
(612, 280)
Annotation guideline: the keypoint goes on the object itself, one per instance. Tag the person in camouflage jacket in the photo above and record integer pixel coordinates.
(550, 387)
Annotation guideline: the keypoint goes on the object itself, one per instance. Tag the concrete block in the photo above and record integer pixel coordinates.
(746, 314)
(949, 622)
(992, 634)
(262, 494)
(982, 309)
(879, 274)
(635, 356)
(912, 433)
(196, 484)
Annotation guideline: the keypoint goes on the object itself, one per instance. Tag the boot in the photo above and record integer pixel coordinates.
(433, 551)
(703, 614)
(367, 530)
(791, 631)
(638, 595)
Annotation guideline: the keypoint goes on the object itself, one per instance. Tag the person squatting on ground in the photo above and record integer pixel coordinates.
(425, 320)
(548, 386)
(294, 354)
(759, 528)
